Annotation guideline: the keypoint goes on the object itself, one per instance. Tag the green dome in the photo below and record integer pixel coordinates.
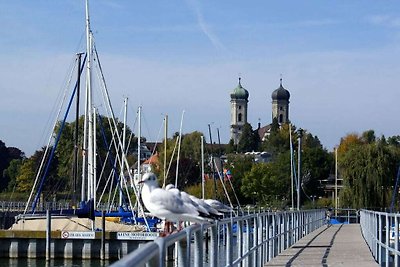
(239, 92)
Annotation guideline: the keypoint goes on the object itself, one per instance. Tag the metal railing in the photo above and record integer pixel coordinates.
(250, 240)
(20, 206)
(346, 216)
(381, 232)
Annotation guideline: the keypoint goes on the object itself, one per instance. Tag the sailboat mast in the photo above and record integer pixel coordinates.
(202, 167)
(165, 148)
(139, 137)
(123, 152)
(87, 166)
(75, 171)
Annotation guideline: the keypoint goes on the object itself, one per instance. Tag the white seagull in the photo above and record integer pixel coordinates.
(165, 204)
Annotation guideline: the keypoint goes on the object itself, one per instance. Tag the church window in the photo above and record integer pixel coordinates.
(280, 118)
(280, 108)
(240, 107)
(240, 117)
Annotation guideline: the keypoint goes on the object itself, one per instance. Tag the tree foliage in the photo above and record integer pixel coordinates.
(368, 168)
(249, 140)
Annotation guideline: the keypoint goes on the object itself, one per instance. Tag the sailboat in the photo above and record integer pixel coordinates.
(86, 209)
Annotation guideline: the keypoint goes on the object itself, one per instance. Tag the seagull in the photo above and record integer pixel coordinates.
(213, 212)
(165, 204)
(218, 205)
(202, 207)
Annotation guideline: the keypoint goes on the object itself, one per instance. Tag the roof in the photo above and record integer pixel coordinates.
(280, 93)
(240, 92)
(263, 131)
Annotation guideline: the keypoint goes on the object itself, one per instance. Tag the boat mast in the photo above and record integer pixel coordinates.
(202, 167)
(122, 176)
(139, 137)
(75, 171)
(165, 148)
(179, 151)
(87, 165)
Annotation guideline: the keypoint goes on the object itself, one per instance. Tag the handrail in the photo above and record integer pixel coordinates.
(381, 231)
(259, 238)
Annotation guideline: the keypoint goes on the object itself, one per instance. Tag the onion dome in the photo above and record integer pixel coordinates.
(239, 92)
(280, 93)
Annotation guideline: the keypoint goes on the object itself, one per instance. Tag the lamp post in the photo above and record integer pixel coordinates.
(300, 135)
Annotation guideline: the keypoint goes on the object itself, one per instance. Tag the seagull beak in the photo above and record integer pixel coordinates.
(141, 182)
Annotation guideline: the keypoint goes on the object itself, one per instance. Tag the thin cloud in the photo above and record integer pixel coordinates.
(384, 20)
(204, 26)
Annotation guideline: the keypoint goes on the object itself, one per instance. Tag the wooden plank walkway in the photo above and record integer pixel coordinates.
(338, 245)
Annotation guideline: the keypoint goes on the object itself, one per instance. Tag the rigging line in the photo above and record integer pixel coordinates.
(170, 162)
(50, 139)
(158, 138)
(234, 193)
(124, 160)
(65, 81)
(147, 126)
(52, 152)
(112, 159)
(131, 135)
(223, 186)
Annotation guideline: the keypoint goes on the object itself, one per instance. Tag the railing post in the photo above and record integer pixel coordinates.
(379, 239)
(214, 245)
(229, 243)
(248, 243)
(396, 240)
(198, 247)
(269, 236)
(255, 241)
(239, 231)
(387, 241)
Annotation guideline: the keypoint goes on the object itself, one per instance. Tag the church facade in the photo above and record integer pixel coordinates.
(239, 107)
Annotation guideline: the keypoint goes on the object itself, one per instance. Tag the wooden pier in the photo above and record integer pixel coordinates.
(337, 245)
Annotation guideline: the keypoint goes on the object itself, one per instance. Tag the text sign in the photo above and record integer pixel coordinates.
(137, 235)
(77, 235)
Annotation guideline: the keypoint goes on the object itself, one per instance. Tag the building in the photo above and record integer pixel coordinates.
(239, 103)
(239, 100)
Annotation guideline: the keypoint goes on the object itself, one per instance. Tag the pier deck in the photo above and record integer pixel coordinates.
(338, 245)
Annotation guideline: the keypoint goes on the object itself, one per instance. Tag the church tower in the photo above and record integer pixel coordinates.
(239, 100)
(280, 104)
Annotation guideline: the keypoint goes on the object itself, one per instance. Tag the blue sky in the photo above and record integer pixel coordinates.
(338, 59)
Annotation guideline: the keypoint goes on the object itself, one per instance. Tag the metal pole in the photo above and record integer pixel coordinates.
(291, 165)
(212, 162)
(48, 235)
(336, 180)
(202, 167)
(165, 148)
(300, 133)
(103, 235)
(75, 170)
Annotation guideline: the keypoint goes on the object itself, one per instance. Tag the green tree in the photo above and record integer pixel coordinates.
(368, 172)
(249, 139)
(10, 174)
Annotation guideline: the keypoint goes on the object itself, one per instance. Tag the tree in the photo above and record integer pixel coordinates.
(368, 173)
(249, 139)
(10, 174)
(268, 183)
(7, 154)
(278, 140)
